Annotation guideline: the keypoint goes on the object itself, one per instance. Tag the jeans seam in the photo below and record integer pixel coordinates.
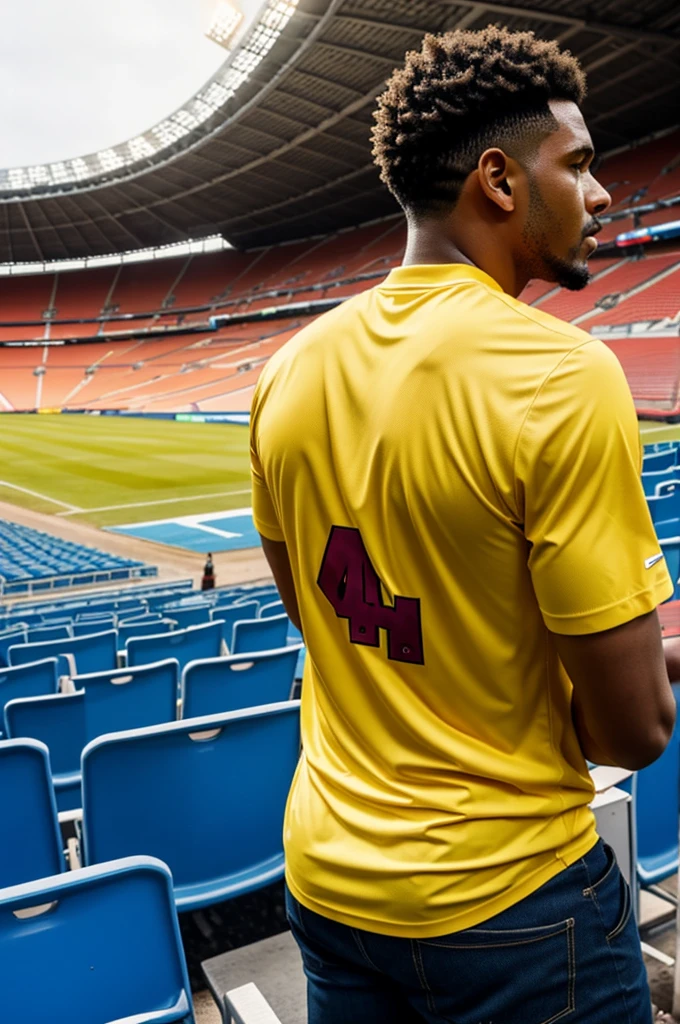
(500, 945)
(362, 949)
(591, 893)
(420, 971)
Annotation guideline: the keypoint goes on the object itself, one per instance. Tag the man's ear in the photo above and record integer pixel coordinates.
(498, 177)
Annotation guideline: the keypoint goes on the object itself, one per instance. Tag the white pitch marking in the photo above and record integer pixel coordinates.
(144, 504)
(55, 501)
(193, 520)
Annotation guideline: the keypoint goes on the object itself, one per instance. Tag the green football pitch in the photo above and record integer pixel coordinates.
(108, 470)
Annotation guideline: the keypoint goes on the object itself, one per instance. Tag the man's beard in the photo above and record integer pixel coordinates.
(571, 273)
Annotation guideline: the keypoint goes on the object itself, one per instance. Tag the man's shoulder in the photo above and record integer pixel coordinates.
(541, 323)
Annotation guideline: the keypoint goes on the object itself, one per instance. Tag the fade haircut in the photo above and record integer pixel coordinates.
(461, 93)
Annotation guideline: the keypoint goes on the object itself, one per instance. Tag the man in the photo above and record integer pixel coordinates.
(446, 482)
(208, 581)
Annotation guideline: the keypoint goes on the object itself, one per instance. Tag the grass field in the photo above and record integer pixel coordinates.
(112, 470)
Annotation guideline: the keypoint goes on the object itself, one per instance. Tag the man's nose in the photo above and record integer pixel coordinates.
(598, 199)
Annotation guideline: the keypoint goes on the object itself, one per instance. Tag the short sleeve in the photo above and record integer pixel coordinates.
(594, 559)
(264, 514)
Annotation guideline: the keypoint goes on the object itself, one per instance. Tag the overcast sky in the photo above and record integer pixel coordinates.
(77, 76)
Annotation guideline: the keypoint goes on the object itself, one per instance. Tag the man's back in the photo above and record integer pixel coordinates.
(423, 508)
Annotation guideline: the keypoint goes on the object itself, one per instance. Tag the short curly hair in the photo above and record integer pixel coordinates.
(461, 93)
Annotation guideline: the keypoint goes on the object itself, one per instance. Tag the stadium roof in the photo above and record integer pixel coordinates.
(276, 145)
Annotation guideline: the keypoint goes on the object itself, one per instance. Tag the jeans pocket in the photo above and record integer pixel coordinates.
(611, 896)
(518, 976)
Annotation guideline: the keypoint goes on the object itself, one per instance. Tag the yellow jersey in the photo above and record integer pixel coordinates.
(456, 477)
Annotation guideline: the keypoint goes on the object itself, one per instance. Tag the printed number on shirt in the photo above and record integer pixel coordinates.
(351, 584)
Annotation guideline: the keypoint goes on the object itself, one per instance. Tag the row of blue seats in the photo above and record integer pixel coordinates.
(235, 630)
(183, 791)
(129, 605)
(206, 795)
(130, 698)
(29, 554)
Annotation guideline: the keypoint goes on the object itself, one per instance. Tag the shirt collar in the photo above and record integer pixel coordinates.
(437, 275)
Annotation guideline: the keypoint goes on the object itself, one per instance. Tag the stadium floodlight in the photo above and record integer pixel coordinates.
(226, 21)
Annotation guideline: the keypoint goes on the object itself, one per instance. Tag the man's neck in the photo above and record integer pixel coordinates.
(428, 244)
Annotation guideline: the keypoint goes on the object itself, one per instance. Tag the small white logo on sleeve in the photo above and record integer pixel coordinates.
(649, 562)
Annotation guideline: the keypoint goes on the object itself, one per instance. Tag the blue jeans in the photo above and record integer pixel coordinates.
(568, 952)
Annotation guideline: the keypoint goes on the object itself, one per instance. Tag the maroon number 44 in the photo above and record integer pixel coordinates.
(351, 584)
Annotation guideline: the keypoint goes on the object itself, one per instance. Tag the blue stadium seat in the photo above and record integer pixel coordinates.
(671, 549)
(229, 614)
(664, 507)
(129, 698)
(656, 810)
(97, 616)
(38, 634)
(144, 617)
(34, 680)
(31, 844)
(8, 639)
(143, 628)
(109, 951)
(275, 608)
(264, 595)
(86, 627)
(93, 653)
(655, 462)
(238, 681)
(260, 634)
(651, 481)
(207, 795)
(183, 644)
(185, 617)
(58, 721)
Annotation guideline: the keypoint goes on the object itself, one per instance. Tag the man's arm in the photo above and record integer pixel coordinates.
(623, 705)
(276, 553)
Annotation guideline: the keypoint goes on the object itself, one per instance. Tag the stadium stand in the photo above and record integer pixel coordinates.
(32, 560)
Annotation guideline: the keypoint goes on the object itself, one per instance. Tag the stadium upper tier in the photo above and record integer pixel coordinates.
(148, 343)
(276, 146)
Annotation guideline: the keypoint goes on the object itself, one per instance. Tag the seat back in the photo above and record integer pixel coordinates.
(31, 846)
(190, 616)
(103, 617)
(651, 480)
(129, 698)
(671, 551)
(267, 610)
(94, 653)
(109, 949)
(184, 645)
(57, 720)
(231, 613)
(206, 794)
(145, 617)
(656, 808)
(88, 626)
(264, 595)
(34, 680)
(655, 462)
(143, 629)
(259, 634)
(40, 633)
(8, 638)
(238, 681)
